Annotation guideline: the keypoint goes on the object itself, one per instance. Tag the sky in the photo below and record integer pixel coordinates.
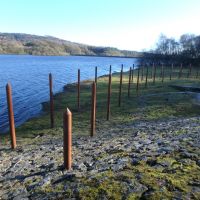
(125, 24)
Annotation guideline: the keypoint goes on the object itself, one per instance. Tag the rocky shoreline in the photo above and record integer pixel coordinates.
(142, 160)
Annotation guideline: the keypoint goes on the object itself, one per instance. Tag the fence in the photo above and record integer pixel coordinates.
(151, 77)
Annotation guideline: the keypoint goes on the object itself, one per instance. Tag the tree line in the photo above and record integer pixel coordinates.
(188, 46)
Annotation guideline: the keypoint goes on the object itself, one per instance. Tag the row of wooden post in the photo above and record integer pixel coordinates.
(67, 117)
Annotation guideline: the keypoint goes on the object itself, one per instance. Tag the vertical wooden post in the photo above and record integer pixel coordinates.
(132, 72)
(138, 77)
(154, 75)
(93, 110)
(51, 101)
(129, 82)
(147, 72)
(78, 90)
(120, 88)
(109, 95)
(171, 72)
(67, 139)
(11, 116)
(96, 75)
(180, 72)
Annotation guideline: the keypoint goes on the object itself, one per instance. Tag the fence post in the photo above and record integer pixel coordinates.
(96, 75)
(109, 95)
(67, 139)
(78, 90)
(129, 82)
(11, 116)
(120, 88)
(147, 72)
(51, 101)
(138, 77)
(93, 110)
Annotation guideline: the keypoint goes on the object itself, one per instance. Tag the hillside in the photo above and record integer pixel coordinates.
(18, 43)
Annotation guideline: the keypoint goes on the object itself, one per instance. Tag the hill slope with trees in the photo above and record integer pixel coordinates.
(18, 43)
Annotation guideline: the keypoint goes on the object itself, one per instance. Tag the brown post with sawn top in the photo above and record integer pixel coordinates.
(93, 110)
(120, 88)
(109, 95)
(138, 77)
(67, 139)
(129, 82)
(51, 101)
(78, 90)
(11, 116)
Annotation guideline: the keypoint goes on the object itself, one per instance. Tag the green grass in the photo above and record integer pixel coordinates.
(141, 106)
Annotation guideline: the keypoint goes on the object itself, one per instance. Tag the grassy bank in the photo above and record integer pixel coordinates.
(156, 101)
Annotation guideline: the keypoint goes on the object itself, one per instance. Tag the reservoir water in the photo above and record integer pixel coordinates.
(28, 76)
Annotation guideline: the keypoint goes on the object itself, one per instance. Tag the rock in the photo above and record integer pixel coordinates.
(135, 161)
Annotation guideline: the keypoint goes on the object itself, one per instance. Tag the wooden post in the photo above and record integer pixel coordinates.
(78, 90)
(93, 110)
(129, 82)
(147, 72)
(67, 139)
(120, 88)
(51, 101)
(138, 77)
(11, 116)
(154, 75)
(109, 95)
(96, 75)
(171, 72)
(180, 72)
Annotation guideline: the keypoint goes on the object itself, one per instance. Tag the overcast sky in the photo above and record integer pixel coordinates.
(125, 24)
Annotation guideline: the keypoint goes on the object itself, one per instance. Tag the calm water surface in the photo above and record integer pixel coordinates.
(28, 76)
